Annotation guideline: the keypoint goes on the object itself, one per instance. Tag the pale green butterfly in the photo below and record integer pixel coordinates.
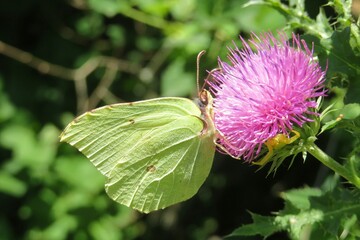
(154, 153)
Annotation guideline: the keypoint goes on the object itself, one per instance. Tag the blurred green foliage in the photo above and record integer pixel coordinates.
(74, 55)
(319, 213)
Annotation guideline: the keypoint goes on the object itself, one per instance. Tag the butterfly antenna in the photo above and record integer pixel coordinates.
(209, 77)
(198, 69)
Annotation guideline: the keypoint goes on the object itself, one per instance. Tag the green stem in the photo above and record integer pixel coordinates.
(334, 165)
(142, 17)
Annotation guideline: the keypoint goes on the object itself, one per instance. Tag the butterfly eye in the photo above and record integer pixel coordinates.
(203, 96)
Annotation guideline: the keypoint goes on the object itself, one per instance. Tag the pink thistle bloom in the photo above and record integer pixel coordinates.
(265, 92)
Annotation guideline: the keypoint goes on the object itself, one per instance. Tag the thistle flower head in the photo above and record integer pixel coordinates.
(264, 92)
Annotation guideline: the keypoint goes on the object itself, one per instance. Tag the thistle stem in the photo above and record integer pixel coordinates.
(325, 159)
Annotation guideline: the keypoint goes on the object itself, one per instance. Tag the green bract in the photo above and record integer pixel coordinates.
(154, 153)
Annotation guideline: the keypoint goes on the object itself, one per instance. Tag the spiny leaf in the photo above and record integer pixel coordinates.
(323, 213)
(300, 198)
(262, 225)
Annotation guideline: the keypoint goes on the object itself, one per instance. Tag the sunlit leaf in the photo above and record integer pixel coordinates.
(11, 185)
(176, 82)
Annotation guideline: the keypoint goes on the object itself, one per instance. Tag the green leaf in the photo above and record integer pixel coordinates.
(295, 224)
(7, 110)
(154, 7)
(352, 124)
(297, 17)
(343, 9)
(342, 60)
(353, 162)
(344, 116)
(322, 22)
(261, 225)
(105, 228)
(11, 185)
(310, 211)
(341, 55)
(175, 81)
(338, 207)
(30, 150)
(183, 10)
(299, 198)
(58, 229)
(117, 34)
(350, 111)
(91, 25)
(355, 38)
(154, 153)
(107, 7)
(257, 18)
(66, 166)
(181, 34)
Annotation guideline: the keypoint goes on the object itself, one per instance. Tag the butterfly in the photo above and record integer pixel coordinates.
(153, 153)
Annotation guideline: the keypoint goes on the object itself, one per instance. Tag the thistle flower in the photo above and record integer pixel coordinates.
(264, 93)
